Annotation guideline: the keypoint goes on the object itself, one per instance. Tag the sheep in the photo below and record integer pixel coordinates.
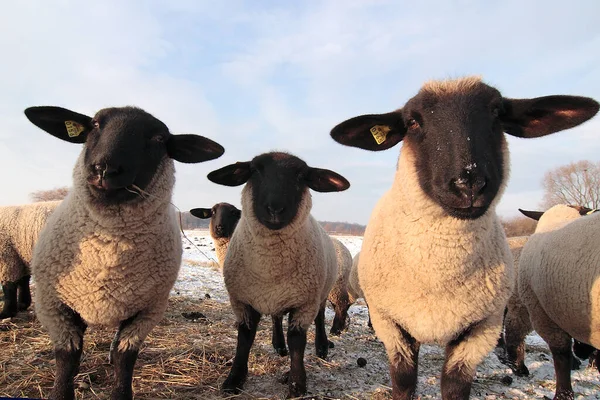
(19, 229)
(223, 220)
(354, 289)
(280, 260)
(559, 283)
(517, 323)
(110, 253)
(434, 264)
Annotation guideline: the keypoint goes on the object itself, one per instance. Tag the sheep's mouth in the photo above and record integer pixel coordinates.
(107, 191)
(471, 212)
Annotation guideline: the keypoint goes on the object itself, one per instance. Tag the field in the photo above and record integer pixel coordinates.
(188, 355)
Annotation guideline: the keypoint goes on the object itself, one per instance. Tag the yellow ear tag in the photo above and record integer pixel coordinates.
(379, 132)
(74, 129)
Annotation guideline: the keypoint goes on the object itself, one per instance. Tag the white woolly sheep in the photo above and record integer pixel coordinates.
(338, 296)
(517, 324)
(111, 251)
(559, 283)
(354, 289)
(280, 260)
(434, 264)
(19, 230)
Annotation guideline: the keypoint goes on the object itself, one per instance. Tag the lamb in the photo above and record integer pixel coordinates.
(19, 229)
(435, 265)
(280, 260)
(516, 322)
(111, 251)
(559, 283)
(354, 289)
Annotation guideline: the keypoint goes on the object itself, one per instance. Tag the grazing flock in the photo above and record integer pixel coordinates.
(435, 265)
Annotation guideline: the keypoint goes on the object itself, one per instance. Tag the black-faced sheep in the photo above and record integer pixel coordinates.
(559, 283)
(280, 260)
(435, 265)
(19, 230)
(110, 253)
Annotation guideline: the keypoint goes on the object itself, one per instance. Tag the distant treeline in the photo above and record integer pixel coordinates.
(188, 221)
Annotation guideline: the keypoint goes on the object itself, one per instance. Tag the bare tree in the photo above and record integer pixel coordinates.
(49, 195)
(577, 183)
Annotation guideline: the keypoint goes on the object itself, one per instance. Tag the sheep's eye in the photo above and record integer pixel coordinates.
(96, 124)
(412, 124)
(496, 111)
(158, 138)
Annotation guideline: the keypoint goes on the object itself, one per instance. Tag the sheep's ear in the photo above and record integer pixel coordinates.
(324, 180)
(201, 212)
(532, 214)
(541, 116)
(371, 132)
(231, 175)
(61, 123)
(582, 210)
(193, 148)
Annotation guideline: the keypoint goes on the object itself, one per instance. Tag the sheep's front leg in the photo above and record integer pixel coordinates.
(245, 339)
(516, 326)
(123, 362)
(68, 357)
(10, 300)
(278, 338)
(321, 342)
(403, 355)
(24, 293)
(297, 344)
(464, 353)
(129, 338)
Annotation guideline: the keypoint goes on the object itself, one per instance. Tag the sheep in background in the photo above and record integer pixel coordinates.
(354, 289)
(280, 260)
(110, 253)
(19, 230)
(517, 324)
(223, 220)
(435, 265)
(559, 283)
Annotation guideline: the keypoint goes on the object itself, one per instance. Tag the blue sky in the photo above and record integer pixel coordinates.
(258, 76)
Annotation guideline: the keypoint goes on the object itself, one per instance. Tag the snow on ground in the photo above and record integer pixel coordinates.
(199, 276)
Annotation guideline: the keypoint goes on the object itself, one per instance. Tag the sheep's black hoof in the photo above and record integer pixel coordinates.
(330, 344)
(521, 371)
(23, 306)
(233, 384)
(282, 351)
(322, 351)
(4, 315)
(296, 390)
(335, 331)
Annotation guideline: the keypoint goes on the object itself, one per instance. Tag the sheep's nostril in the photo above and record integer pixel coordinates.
(479, 186)
(275, 210)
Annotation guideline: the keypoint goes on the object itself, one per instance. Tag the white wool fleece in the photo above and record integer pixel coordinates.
(275, 271)
(559, 277)
(432, 274)
(108, 264)
(19, 230)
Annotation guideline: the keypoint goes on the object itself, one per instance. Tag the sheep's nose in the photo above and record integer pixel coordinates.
(104, 169)
(275, 210)
(469, 188)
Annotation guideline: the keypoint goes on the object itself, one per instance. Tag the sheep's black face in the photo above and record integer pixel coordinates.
(457, 138)
(224, 219)
(124, 147)
(278, 185)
